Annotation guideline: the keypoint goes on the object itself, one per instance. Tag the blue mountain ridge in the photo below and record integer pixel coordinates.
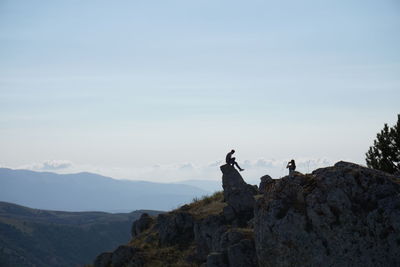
(90, 192)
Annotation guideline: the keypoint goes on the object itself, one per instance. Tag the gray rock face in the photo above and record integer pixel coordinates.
(229, 213)
(216, 259)
(344, 215)
(239, 248)
(207, 235)
(265, 181)
(242, 254)
(175, 228)
(238, 194)
(103, 260)
(230, 238)
(124, 255)
(142, 224)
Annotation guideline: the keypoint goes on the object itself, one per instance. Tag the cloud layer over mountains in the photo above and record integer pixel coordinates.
(254, 169)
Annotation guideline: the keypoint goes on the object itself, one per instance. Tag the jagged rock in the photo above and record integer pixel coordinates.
(230, 238)
(345, 215)
(175, 228)
(217, 259)
(265, 181)
(207, 235)
(238, 194)
(242, 254)
(142, 224)
(123, 255)
(103, 260)
(255, 189)
(239, 248)
(229, 213)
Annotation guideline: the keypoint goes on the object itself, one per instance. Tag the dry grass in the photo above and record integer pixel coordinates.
(207, 205)
(157, 256)
(257, 197)
(247, 232)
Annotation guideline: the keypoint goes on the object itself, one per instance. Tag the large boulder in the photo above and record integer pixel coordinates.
(265, 181)
(124, 255)
(345, 215)
(239, 247)
(142, 224)
(230, 238)
(207, 235)
(239, 196)
(242, 254)
(175, 228)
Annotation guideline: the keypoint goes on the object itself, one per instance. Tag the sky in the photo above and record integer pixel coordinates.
(162, 90)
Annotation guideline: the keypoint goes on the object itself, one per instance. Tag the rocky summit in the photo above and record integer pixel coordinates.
(344, 215)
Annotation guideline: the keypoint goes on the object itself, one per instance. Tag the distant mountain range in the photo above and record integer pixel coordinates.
(32, 237)
(92, 192)
(208, 185)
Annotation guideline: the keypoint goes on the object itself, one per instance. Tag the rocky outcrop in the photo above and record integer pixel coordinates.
(122, 256)
(238, 195)
(344, 215)
(265, 181)
(242, 254)
(175, 228)
(218, 236)
(144, 223)
(126, 255)
(103, 260)
(208, 233)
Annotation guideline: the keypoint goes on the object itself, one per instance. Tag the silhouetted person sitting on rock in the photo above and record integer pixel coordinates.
(232, 161)
(291, 166)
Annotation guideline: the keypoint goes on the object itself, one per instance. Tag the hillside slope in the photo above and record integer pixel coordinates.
(32, 237)
(344, 215)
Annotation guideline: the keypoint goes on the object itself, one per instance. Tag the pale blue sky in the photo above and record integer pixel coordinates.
(120, 86)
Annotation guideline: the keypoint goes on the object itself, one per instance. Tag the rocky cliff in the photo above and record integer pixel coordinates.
(345, 215)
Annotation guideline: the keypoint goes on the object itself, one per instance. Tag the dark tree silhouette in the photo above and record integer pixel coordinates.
(384, 155)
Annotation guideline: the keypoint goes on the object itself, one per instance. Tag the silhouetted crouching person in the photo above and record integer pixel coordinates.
(292, 167)
(232, 161)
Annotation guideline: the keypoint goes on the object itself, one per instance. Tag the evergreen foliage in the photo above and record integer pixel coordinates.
(384, 155)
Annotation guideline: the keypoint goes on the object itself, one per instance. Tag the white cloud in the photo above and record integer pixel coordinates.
(254, 169)
(49, 165)
(56, 164)
(186, 166)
